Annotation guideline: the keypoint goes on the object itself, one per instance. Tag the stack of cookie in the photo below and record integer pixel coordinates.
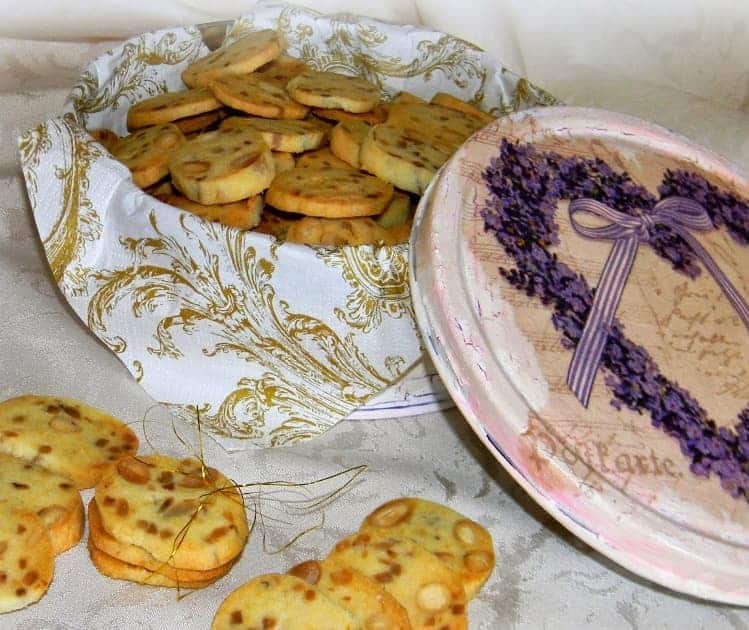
(307, 156)
(49, 449)
(166, 522)
(413, 564)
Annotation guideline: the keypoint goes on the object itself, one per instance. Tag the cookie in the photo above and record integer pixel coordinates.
(222, 166)
(149, 501)
(432, 596)
(146, 152)
(290, 136)
(346, 140)
(320, 158)
(333, 91)
(27, 560)
(105, 137)
(241, 57)
(407, 98)
(201, 122)
(282, 69)
(276, 223)
(397, 156)
(160, 189)
(64, 436)
(171, 106)
(258, 96)
(53, 498)
(370, 604)
(397, 212)
(459, 542)
(444, 128)
(447, 100)
(378, 114)
(283, 161)
(329, 192)
(119, 570)
(280, 601)
(137, 557)
(337, 232)
(400, 233)
(243, 215)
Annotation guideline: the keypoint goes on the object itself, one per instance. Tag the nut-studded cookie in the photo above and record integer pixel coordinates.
(291, 136)
(461, 543)
(201, 122)
(27, 560)
(320, 158)
(105, 137)
(283, 161)
(378, 114)
(240, 57)
(153, 500)
(400, 157)
(54, 498)
(243, 215)
(397, 212)
(329, 192)
(333, 91)
(337, 232)
(406, 98)
(370, 604)
(447, 100)
(258, 96)
(281, 601)
(146, 152)
(346, 140)
(276, 223)
(441, 127)
(222, 166)
(65, 436)
(432, 596)
(282, 69)
(171, 106)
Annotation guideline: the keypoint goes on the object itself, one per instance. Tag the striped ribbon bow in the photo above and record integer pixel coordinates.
(678, 213)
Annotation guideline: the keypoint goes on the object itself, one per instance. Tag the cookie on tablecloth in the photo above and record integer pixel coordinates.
(370, 604)
(53, 498)
(334, 91)
(27, 560)
(337, 232)
(281, 601)
(146, 152)
(243, 215)
(432, 596)
(65, 436)
(171, 106)
(464, 545)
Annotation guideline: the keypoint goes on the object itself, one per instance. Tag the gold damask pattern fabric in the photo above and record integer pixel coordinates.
(270, 344)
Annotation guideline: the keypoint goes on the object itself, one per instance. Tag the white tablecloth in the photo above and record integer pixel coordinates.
(685, 70)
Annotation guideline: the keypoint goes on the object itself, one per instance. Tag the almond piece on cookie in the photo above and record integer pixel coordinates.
(146, 152)
(281, 601)
(258, 96)
(65, 436)
(222, 166)
(334, 91)
(329, 192)
(171, 106)
(240, 57)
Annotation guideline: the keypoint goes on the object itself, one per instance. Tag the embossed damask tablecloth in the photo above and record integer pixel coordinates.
(544, 577)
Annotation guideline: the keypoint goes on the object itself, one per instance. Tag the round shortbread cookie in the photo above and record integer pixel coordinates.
(444, 128)
(459, 542)
(222, 166)
(447, 100)
(201, 122)
(146, 152)
(241, 57)
(329, 192)
(337, 232)
(432, 596)
(283, 161)
(276, 224)
(289, 136)
(280, 601)
(243, 215)
(27, 560)
(171, 106)
(52, 497)
(282, 69)
(258, 96)
(397, 156)
(105, 137)
(119, 570)
(375, 116)
(138, 557)
(370, 604)
(149, 501)
(65, 436)
(320, 158)
(333, 91)
(346, 140)
(397, 212)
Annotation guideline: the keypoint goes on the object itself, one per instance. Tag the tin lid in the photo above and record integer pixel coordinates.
(623, 411)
